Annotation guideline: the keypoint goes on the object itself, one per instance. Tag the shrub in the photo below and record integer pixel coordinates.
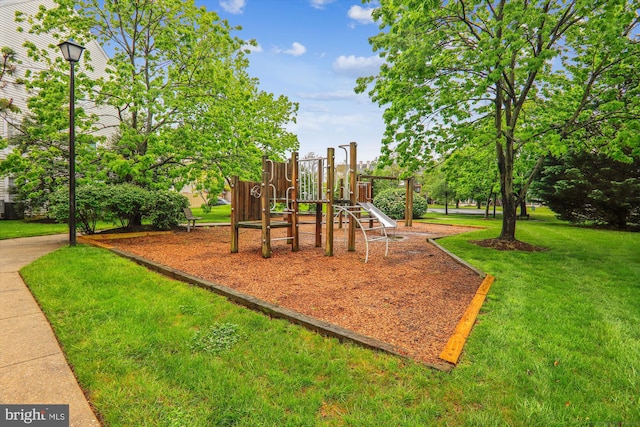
(393, 201)
(91, 205)
(165, 209)
(129, 204)
(124, 203)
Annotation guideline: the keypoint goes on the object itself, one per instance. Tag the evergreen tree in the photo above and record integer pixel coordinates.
(590, 187)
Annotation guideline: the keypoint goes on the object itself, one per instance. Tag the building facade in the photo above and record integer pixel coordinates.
(16, 93)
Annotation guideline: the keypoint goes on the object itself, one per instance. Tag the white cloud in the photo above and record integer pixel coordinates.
(296, 49)
(320, 4)
(252, 48)
(337, 122)
(361, 14)
(357, 65)
(233, 6)
(329, 96)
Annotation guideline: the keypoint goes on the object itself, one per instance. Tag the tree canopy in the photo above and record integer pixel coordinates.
(7, 67)
(528, 78)
(589, 187)
(176, 87)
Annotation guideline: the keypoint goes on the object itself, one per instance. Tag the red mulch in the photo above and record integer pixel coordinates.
(412, 299)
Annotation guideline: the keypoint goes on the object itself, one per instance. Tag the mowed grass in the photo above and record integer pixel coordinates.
(11, 229)
(14, 228)
(557, 343)
(220, 213)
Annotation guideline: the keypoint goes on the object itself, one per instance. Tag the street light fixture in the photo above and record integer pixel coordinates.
(72, 53)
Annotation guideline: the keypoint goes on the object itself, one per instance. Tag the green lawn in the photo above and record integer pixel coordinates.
(557, 344)
(12, 228)
(221, 213)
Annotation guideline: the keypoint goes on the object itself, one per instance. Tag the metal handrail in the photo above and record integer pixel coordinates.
(350, 211)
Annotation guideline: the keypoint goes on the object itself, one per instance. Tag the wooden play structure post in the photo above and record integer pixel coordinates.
(266, 210)
(234, 214)
(408, 207)
(294, 232)
(353, 197)
(330, 200)
(320, 196)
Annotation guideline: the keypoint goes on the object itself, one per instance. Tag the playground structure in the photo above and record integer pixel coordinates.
(274, 202)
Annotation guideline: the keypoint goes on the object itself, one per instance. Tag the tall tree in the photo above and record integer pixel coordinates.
(471, 174)
(177, 81)
(539, 72)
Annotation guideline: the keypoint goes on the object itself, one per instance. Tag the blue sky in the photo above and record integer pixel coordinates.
(312, 51)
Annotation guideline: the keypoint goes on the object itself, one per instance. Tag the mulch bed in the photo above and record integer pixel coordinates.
(412, 299)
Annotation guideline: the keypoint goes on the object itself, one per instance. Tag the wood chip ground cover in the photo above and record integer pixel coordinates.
(412, 299)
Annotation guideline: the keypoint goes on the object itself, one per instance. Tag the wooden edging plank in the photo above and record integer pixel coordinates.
(95, 242)
(453, 349)
(115, 236)
(457, 258)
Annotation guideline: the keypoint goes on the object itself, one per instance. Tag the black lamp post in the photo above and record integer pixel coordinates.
(72, 53)
(446, 199)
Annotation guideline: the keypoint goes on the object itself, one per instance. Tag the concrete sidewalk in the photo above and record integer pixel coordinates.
(33, 369)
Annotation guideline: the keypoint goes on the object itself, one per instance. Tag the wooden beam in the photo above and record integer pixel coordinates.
(294, 231)
(453, 349)
(319, 205)
(331, 176)
(266, 211)
(374, 177)
(408, 207)
(353, 196)
(234, 214)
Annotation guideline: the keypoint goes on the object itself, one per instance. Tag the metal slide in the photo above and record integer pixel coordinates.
(378, 214)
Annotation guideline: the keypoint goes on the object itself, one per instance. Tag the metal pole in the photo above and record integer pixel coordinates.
(72, 158)
(446, 199)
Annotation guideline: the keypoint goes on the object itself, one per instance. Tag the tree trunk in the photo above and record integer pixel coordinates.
(486, 211)
(136, 220)
(504, 154)
(523, 207)
(446, 203)
(509, 213)
(509, 205)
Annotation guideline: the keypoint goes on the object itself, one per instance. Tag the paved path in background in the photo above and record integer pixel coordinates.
(462, 211)
(33, 369)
